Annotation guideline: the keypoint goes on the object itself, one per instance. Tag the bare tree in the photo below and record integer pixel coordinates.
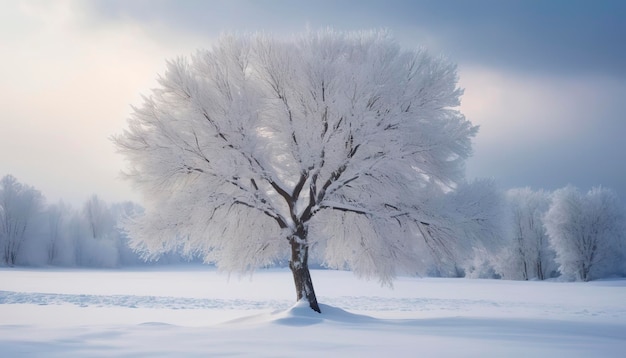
(19, 204)
(587, 232)
(336, 142)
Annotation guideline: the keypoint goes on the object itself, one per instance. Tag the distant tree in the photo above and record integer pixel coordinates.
(103, 245)
(57, 215)
(77, 233)
(98, 217)
(480, 209)
(333, 142)
(468, 227)
(587, 232)
(19, 204)
(121, 212)
(528, 254)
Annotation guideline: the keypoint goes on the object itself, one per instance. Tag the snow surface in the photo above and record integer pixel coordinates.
(193, 311)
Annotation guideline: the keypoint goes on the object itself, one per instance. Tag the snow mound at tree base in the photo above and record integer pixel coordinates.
(301, 314)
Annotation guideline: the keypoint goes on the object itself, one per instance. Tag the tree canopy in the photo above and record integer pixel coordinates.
(587, 232)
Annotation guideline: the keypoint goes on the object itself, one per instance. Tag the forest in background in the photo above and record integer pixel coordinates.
(538, 240)
(36, 233)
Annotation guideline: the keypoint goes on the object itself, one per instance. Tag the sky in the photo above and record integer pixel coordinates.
(545, 80)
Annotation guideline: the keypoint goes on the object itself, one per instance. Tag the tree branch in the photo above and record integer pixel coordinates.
(344, 208)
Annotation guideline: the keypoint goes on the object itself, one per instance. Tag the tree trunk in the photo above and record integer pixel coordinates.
(300, 268)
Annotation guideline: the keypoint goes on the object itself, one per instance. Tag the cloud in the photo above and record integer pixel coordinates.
(547, 37)
(519, 108)
(544, 79)
(546, 132)
(530, 36)
(67, 87)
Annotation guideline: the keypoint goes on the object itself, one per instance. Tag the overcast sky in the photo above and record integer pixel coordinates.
(545, 80)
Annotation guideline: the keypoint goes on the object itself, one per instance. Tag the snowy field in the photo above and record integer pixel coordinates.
(196, 312)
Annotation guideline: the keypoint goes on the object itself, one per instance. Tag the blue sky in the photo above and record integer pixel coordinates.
(545, 80)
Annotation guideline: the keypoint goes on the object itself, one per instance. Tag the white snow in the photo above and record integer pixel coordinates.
(193, 311)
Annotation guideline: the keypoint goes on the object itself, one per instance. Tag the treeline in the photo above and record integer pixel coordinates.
(33, 233)
(566, 233)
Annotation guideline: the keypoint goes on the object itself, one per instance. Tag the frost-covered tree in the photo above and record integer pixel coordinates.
(587, 232)
(261, 148)
(19, 205)
(479, 210)
(98, 217)
(121, 212)
(57, 215)
(99, 240)
(34, 234)
(528, 254)
(467, 228)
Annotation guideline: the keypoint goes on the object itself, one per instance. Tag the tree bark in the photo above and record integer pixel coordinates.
(300, 268)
